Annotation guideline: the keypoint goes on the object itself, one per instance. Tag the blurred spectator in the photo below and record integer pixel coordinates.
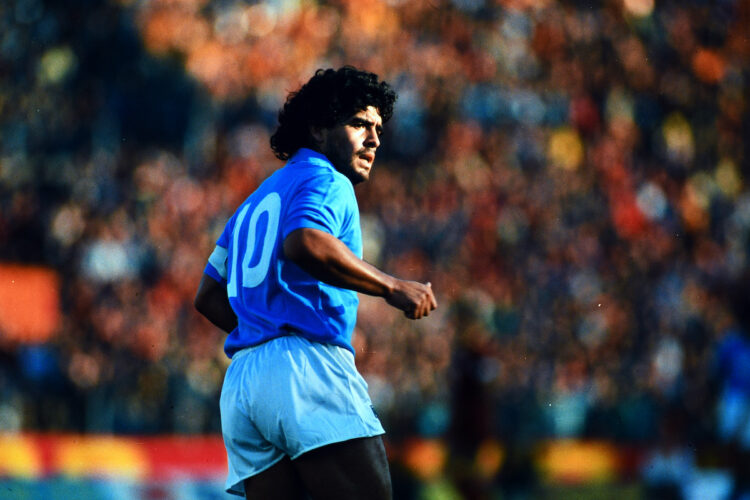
(470, 425)
(670, 464)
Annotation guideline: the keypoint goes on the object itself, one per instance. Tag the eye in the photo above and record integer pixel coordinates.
(361, 123)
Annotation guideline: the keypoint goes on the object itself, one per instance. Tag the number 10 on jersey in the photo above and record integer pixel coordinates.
(244, 251)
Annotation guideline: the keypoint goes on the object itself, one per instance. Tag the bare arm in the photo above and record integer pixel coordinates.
(212, 302)
(328, 259)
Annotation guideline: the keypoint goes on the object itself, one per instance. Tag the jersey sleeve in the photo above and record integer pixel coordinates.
(326, 203)
(216, 267)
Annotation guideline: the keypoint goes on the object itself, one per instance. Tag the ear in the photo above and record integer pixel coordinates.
(318, 134)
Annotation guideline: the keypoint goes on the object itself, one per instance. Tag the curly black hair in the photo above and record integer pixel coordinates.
(328, 99)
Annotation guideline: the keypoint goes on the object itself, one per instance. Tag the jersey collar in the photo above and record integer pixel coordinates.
(310, 156)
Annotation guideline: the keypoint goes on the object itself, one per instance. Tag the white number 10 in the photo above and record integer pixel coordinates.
(254, 276)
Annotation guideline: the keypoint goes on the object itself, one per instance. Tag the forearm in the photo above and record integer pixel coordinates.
(329, 260)
(212, 302)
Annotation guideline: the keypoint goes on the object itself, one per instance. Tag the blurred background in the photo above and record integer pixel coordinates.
(568, 174)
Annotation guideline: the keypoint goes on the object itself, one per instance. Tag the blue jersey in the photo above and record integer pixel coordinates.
(271, 295)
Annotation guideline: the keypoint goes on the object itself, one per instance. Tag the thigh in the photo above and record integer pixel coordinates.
(357, 468)
(280, 482)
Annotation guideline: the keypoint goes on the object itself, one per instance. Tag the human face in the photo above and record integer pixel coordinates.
(351, 146)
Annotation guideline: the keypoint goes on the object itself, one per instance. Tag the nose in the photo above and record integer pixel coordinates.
(372, 140)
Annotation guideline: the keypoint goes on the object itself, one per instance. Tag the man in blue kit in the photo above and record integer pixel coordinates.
(283, 282)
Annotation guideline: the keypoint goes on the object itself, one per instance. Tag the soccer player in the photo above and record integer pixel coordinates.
(283, 282)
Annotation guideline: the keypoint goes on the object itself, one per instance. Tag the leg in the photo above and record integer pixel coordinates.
(280, 481)
(350, 469)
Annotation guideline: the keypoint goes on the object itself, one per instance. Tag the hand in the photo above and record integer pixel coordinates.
(414, 298)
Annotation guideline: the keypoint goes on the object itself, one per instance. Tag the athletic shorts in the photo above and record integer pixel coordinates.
(286, 397)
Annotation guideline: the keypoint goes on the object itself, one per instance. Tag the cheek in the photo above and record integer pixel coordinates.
(347, 146)
(339, 151)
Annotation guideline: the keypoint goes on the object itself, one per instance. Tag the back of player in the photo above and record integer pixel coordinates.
(292, 387)
(272, 296)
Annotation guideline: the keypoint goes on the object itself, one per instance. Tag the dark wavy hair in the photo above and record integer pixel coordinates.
(328, 99)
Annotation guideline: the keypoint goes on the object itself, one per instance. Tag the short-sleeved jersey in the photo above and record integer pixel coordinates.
(271, 295)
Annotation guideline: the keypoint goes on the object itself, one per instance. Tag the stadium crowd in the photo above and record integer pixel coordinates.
(569, 175)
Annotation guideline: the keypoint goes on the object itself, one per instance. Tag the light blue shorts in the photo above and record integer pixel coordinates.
(286, 397)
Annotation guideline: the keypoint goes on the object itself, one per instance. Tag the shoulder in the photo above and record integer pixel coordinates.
(322, 177)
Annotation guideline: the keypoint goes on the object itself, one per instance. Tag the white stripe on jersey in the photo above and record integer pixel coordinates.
(218, 259)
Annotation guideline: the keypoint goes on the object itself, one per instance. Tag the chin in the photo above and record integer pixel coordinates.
(358, 179)
(358, 175)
